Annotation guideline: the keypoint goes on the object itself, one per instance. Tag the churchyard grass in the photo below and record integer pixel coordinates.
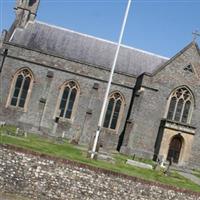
(197, 173)
(68, 151)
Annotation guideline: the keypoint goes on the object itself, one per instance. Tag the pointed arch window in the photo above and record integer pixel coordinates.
(114, 110)
(68, 99)
(21, 89)
(181, 105)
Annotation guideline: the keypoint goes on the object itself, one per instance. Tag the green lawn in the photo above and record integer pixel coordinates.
(71, 152)
(197, 173)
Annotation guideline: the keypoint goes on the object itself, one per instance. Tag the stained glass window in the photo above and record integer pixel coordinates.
(68, 99)
(113, 111)
(180, 105)
(21, 88)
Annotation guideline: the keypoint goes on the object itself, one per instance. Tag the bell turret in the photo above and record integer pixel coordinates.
(26, 10)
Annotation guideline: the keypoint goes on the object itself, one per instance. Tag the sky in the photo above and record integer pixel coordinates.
(163, 27)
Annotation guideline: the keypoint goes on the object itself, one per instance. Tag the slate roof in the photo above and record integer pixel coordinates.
(84, 48)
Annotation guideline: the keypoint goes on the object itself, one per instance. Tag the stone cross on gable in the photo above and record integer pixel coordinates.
(195, 35)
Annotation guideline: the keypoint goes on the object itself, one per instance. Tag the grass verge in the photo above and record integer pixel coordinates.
(197, 173)
(68, 151)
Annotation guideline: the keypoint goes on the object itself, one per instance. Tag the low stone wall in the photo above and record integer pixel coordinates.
(44, 178)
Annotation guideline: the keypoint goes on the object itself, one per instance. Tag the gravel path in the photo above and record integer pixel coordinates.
(4, 196)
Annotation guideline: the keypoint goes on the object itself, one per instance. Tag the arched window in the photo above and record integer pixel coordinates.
(68, 99)
(20, 88)
(113, 112)
(181, 105)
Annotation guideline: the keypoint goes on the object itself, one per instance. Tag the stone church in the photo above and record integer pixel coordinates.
(53, 80)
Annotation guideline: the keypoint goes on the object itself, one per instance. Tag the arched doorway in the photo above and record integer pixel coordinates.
(175, 149)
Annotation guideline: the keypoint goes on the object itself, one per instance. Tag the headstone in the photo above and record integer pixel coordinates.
(167, 171)
(2, 124)
(139, 164)
(107, 158)
(63, 134)
(160, 162)
(17, 131)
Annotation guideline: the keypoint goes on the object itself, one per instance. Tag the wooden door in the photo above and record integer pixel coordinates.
(175, 149)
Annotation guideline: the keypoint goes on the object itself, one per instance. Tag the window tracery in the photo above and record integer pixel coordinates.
(68, 99)
(21, 88)
(113, 112)
(180, 106)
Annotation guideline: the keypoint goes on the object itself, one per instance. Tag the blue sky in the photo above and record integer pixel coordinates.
(163, 27)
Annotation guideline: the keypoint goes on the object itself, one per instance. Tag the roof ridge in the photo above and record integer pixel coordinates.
(101, 39)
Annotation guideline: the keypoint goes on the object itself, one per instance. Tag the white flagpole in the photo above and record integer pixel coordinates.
(102, 114)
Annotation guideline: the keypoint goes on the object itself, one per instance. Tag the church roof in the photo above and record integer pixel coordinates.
(84, 48)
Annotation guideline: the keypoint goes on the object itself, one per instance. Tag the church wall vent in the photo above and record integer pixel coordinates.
(96, 86)
(50, 74)
(189, 68)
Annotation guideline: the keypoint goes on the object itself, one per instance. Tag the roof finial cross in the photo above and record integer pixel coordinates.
(195, 35)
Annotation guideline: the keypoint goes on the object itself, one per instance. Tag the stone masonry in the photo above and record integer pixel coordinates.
(145, 81)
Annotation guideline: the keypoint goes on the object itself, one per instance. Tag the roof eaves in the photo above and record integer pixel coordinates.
(70, 59)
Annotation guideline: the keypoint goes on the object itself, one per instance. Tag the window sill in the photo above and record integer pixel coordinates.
(15, 108)
(65, 120)
(108, 130)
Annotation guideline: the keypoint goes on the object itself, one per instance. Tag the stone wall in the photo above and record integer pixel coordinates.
(150, 106)
(41, 115)
(41, 177)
